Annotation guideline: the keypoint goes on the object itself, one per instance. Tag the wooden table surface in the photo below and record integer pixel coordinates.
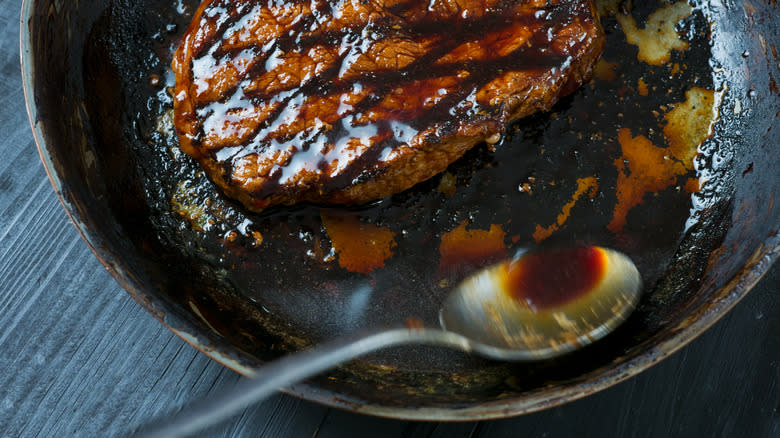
(78, 357)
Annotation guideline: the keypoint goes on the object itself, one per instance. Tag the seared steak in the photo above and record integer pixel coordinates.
(348, 101)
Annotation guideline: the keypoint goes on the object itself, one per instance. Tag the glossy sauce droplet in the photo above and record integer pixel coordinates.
(555, 278)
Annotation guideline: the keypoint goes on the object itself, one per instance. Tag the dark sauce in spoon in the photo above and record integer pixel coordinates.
(554, 278)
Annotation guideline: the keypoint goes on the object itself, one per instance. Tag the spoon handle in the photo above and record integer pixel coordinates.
(285, 371)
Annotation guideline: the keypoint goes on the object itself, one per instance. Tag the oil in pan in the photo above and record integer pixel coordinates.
(624, 162)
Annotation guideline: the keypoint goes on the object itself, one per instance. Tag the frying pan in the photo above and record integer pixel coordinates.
(672, 160)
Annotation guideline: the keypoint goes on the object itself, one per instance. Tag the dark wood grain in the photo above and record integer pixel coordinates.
(79, 358)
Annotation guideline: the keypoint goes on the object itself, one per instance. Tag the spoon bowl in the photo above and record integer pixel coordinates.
(541, 305)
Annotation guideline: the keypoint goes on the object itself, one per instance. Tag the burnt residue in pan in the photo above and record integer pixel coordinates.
(625, 162)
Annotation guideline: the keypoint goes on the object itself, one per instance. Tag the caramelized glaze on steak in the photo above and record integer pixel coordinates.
(348, 101)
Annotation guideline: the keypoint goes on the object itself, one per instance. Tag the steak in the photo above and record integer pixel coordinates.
(349, 101)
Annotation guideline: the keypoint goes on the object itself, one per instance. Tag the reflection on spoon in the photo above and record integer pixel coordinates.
(537, 306)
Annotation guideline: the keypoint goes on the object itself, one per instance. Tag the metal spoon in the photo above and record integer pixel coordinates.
(536, 306)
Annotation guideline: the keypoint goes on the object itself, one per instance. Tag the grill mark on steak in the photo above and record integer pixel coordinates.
(390, 77)
(419, 29)
(420, 120)
(361, 111)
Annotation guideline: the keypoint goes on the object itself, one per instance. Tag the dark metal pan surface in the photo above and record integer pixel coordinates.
(669, 154)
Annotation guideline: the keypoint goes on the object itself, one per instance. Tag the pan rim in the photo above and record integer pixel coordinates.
(717, 306)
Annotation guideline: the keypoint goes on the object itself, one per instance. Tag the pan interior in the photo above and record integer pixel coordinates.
(635, 160)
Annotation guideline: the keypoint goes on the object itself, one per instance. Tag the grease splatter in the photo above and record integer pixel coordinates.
(690, 123)
(605, 70)
(659, 36)
(360, 247)
(641, 87)
(646, 168)
(448, 184)
(202, 213)
(692, 185)
(463, 247)
(587, 185)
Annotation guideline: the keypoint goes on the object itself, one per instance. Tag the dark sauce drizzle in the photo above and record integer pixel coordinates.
(446, 114)
(555, 278)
